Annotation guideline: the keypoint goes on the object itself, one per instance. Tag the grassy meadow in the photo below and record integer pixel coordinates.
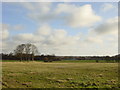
(59, 75)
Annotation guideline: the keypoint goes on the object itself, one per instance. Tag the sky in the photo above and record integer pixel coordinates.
(61, 28)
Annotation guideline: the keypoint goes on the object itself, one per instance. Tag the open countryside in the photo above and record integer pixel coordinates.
(59, 75)
(71, 45)
(25, 68)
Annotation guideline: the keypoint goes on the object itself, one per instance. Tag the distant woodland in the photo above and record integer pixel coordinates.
(27, 52)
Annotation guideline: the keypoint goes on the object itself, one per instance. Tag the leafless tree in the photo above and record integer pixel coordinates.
(26, 51)
(19, 51)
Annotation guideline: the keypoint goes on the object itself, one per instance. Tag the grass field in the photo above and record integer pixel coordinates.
(59, 75)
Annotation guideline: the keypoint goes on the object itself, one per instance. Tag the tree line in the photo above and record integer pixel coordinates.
(50, 58)
(45, 58)
(115, 58)
(29, 52)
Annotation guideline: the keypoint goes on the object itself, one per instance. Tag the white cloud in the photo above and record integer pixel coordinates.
(28, 38)
(108, 27)
(107, 7)
(100, 40)
(103, 39)
(43, 7)
(39, 11)
(78, 16)
(70, 14)
(49, 40)
(94, 39)
(4, 32)
(44, 30)
(57, 41)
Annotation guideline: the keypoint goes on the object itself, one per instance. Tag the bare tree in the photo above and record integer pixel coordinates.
(19, 51)
(26, 51)
(34, 50)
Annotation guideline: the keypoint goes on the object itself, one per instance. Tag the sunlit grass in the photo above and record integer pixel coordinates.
(59, 75)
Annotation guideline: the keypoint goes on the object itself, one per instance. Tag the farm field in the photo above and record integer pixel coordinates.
(59, 75)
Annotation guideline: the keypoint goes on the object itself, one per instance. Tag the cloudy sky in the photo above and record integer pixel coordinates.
(61, 28)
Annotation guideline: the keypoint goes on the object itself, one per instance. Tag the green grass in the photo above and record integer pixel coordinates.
(10, 60)
(59, 75)
(66, 61)
(75, 61)
(79, 61)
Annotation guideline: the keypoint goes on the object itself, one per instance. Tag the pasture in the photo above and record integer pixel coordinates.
(59, 75)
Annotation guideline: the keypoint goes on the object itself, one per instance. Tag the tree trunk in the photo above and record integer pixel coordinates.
(32, 57)
(21, 57)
